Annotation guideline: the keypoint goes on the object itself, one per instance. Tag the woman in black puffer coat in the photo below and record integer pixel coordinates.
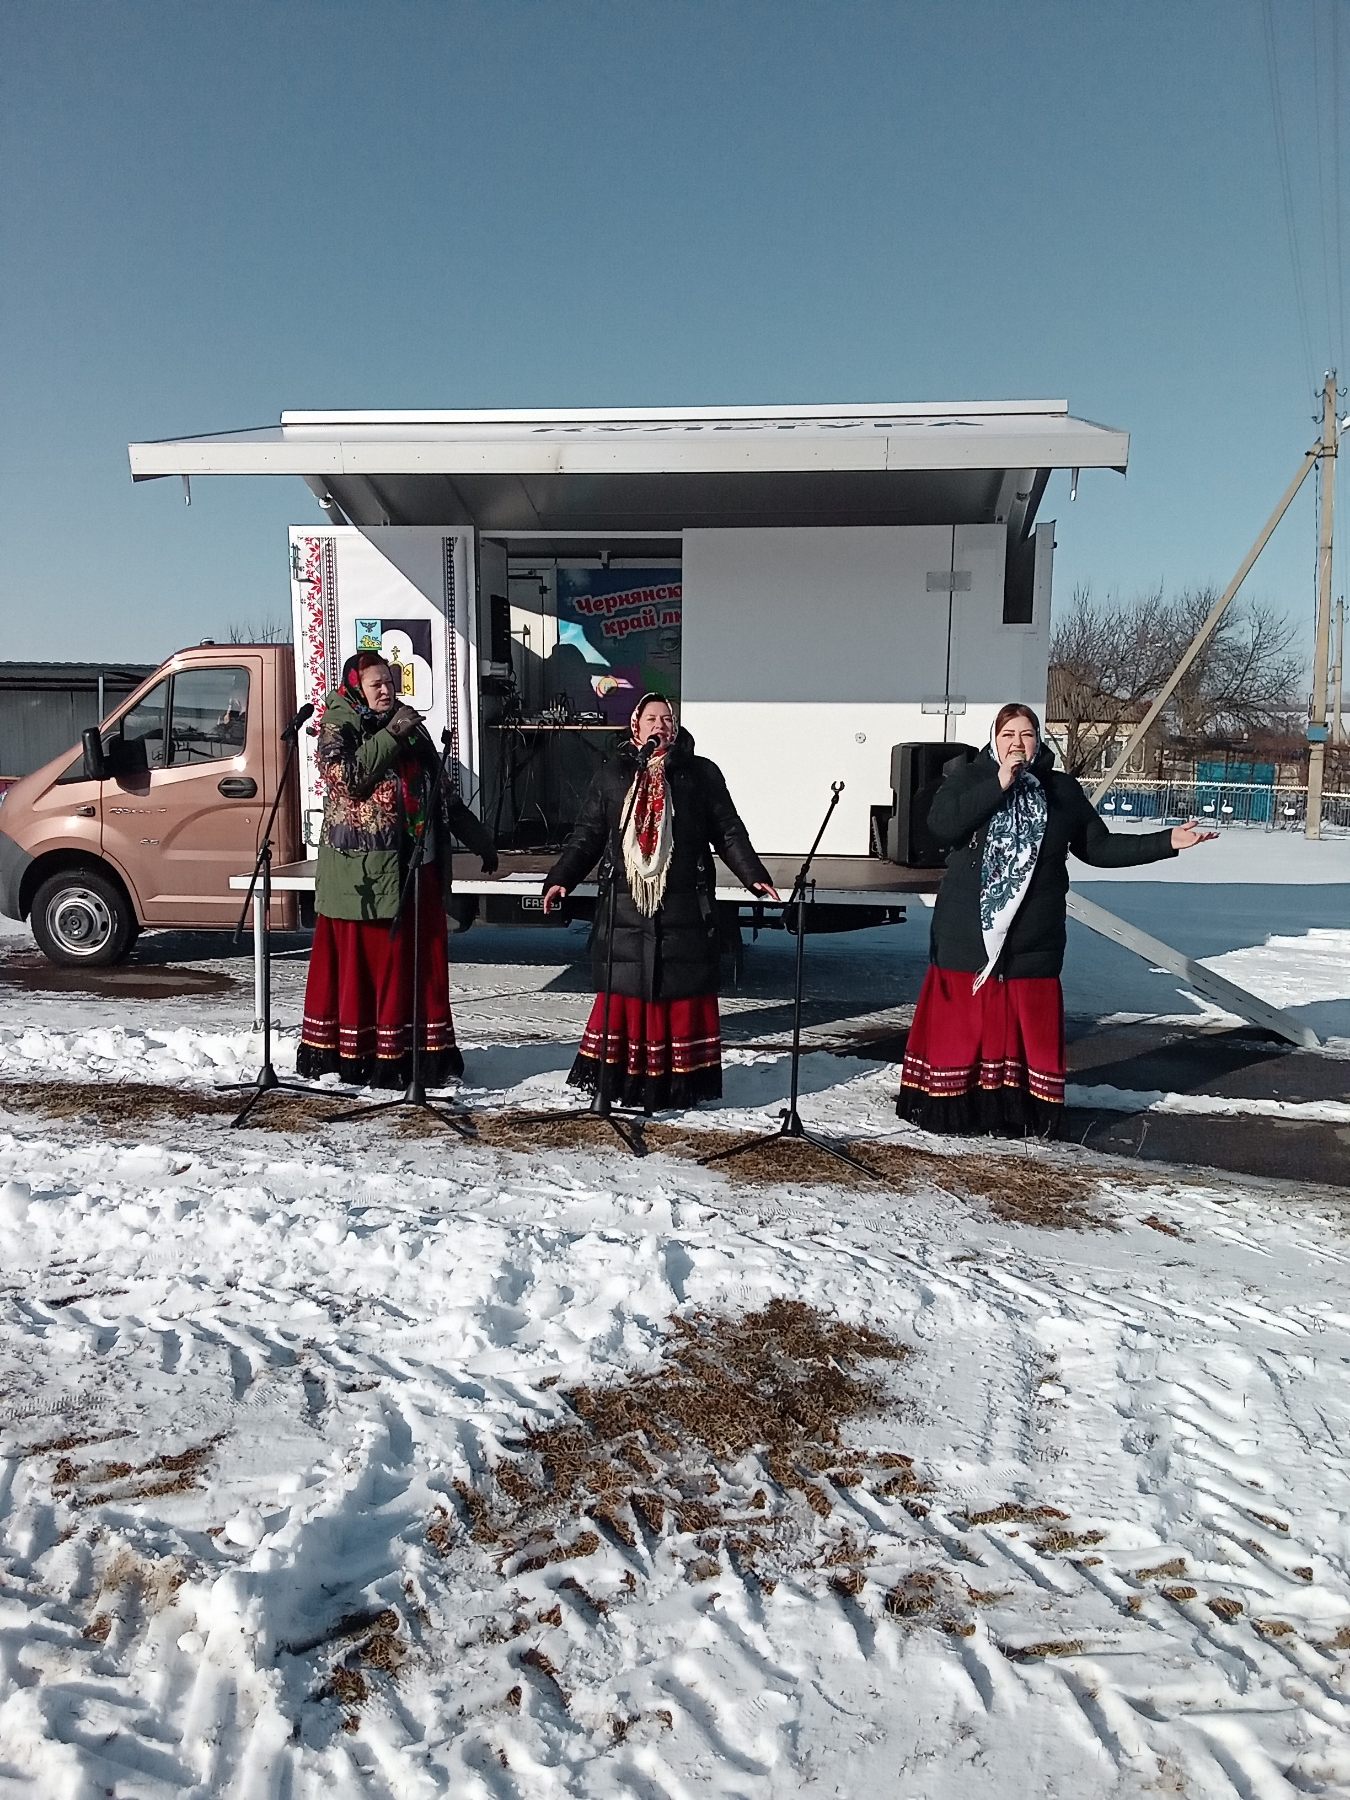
(664, 1043)
(986, 1049)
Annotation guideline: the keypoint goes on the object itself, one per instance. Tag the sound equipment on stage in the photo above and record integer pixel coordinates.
(917, 772)
(499, 628)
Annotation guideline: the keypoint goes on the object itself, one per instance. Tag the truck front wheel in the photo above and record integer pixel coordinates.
(81, 919)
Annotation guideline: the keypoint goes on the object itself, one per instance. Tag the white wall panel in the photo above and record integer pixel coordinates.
(342, 574)
(808, 654)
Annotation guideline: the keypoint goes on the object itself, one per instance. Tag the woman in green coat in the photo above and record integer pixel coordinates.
(377, 766)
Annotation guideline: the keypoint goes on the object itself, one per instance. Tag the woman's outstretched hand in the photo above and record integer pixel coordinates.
(1185, 837)
(554, 896)
(769, 891)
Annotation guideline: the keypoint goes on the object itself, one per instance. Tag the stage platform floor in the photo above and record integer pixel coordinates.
(840, 880)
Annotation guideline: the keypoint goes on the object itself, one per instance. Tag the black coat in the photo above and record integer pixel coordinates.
(674, 954)
(960, 814)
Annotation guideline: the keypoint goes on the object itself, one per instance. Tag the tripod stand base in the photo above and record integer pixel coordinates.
(267, 1082)
(454, 1118)
(793, 1130)
(624, 1122)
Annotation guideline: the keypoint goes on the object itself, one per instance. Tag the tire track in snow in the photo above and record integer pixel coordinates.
(996, 1320)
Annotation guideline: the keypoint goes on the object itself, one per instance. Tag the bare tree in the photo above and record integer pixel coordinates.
(1107, 664)
(1247, 677)
(267, 629)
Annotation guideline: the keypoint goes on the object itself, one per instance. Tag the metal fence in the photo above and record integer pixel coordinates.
(1265, 805)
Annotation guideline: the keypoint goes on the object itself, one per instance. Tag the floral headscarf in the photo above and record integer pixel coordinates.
(350, 685)
(1012, 844)
(408, 772)
(650, 835)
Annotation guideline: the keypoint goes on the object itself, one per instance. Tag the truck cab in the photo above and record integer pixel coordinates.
(146, 821)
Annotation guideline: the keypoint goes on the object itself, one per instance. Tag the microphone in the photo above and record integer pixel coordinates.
(293, 729)
(649, 750)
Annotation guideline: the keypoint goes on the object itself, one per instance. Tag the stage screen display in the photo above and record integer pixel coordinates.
(618, 637)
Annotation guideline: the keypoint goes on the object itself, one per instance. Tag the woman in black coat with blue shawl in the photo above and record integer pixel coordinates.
(986, 1049)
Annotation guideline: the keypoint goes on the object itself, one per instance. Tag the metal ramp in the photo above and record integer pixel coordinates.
(1214, 987)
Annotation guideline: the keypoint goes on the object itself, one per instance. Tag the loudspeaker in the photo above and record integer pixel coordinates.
(917, 772)
(499, 629)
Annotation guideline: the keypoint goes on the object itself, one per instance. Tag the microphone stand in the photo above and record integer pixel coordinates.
(600, 1105)
(792, 1127)
(455, 1118)
(267, 1080)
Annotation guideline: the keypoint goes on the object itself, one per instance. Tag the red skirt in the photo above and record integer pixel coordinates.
(358, 999)
(663, 1054)
(991, 1061)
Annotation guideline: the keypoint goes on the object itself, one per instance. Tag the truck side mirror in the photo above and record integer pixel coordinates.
(95, 762)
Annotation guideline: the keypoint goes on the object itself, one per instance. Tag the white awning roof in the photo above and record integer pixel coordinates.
(663, 468)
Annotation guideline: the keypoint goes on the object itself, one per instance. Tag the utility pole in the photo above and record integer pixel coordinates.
(1216, 612)
(1338, 677)
(1317, 718)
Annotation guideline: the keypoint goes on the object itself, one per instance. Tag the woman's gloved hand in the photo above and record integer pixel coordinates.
(490, 863)
(403, 722)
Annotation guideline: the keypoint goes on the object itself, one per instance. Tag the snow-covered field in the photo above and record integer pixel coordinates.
(279, 1413)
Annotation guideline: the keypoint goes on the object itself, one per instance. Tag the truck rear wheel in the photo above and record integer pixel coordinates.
(81, 919)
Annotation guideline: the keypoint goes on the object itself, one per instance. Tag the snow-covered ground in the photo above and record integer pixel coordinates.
(270, 1405)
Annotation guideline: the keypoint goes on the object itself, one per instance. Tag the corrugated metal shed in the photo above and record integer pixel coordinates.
(44, 706)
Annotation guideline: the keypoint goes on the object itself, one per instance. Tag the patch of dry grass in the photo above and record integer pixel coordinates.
(100, 1483)
(1058, 1541)
(935, 1598)
(1273, 1628)
(642, 1459)
(68, 1441)
(121, 1106)
(1018, 1188)
(381, 1648)
(1175, 1565)
(543, 1665)
(1046, 1647)
(129, 1579)
(1014, 1512)
(1280, 1525)
(1015, 1186)
(349, 1686)
(1165, 1226)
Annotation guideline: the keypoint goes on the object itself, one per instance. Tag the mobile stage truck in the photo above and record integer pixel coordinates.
(829, 593)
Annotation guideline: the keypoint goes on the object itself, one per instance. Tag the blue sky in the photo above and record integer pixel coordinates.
(211, 213)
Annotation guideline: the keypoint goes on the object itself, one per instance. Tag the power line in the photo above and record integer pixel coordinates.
(1337, 216)
(1286, 185)
(1333, 322)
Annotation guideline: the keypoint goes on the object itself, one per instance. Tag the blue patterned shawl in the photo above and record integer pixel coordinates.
(1011, 845)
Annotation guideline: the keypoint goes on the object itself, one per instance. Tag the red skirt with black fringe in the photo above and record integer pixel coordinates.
(662, 1054)
(991, 1061)
(358, 999)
